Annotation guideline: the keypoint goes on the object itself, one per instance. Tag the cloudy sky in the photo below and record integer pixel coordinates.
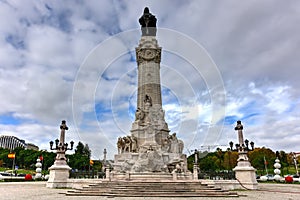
(222, 61)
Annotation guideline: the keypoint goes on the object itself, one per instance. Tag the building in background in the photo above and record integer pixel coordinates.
(12, 142)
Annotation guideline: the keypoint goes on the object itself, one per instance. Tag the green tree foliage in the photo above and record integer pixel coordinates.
(230, 160)
(3, 157)
(258, 157)
(227, 160)
(26, 158)
(81, 158)
(48, 159)
(210, 162)
(97, 165)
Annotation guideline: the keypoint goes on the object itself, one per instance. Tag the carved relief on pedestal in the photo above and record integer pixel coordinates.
(147, 54)
(149, 160)
(175, 145)
(127, 144)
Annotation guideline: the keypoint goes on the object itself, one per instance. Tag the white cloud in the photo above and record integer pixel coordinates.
(50, 67)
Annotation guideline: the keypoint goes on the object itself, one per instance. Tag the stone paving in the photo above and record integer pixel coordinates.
(38, 191)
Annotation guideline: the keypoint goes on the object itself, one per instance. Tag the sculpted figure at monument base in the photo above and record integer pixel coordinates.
(138, 154)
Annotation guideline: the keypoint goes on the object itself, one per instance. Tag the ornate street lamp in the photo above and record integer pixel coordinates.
(195, 166)
(243, 147)
(244, 172)
(196, 156)
(231, 145)
(252, 145)
(60, 146)
(59, 171)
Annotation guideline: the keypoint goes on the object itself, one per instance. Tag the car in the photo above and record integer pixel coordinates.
(5, 174)
(270, 177)
(21, 175)
(296, 178)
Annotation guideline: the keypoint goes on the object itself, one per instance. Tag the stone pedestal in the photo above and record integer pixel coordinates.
(107, 174)
(195, 172)
(59, 174)
(245, 174)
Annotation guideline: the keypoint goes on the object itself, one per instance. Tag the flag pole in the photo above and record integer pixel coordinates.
(14, 163)
(265, 162)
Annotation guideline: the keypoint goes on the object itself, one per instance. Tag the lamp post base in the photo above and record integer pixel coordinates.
(246, 175)
(59, 174)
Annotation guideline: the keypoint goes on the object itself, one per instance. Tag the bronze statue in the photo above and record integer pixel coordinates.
(148, 23)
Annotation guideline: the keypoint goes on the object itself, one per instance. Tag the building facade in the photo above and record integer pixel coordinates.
(12, 142)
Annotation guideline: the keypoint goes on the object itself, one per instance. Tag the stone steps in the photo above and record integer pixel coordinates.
(151, 189)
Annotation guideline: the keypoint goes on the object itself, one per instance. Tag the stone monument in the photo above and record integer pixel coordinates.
(59, 171)
(150, 148)
(244, 172)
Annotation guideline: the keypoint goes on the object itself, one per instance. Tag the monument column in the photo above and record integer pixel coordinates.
(148, 55)
(149, 149)
(149, 125)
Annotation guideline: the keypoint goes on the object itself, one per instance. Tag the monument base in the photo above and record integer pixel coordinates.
(246, 175)
(59, 174)
(150, 176)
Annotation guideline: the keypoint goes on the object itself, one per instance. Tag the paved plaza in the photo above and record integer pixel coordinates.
(38, 191)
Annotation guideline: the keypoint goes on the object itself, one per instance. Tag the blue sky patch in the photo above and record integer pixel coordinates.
(101, 109)
(9, 119)
(231, 119)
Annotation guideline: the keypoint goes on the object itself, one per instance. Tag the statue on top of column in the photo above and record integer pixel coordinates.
(148, 23)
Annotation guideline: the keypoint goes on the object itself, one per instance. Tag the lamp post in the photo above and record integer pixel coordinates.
(104, 160)
(295, 163)
(244, 172)
(59, 171)
(60, 146)
(195, 167)
(231, 145)
(245, 147)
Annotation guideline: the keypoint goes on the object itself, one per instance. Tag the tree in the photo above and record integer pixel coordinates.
(3, 156)
(81, 158)
(220, 156)
(258, 157)
(209, 163)
(48, 159)
(230, 159)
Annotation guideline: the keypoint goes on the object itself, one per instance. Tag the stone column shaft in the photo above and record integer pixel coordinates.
(148, 55)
